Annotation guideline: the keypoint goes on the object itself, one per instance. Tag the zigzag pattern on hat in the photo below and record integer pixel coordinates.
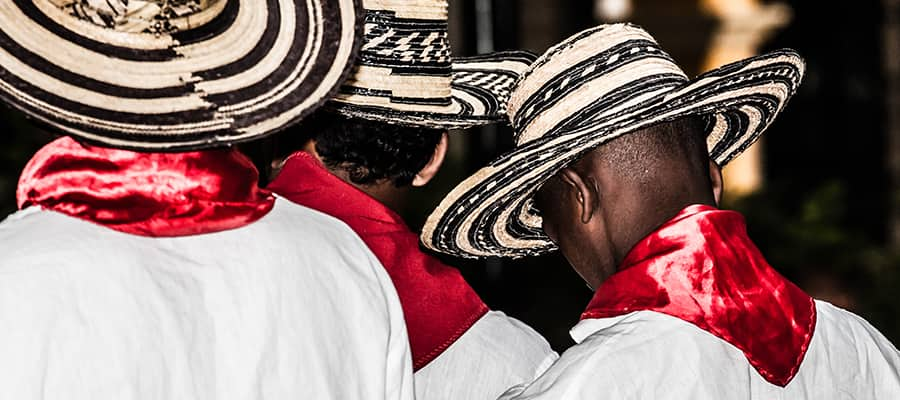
(405, 73)
(498, 85)
(405, 45)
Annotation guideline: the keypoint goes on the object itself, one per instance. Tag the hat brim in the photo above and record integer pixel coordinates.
(480, 90)
(250, 69)
(492, 212)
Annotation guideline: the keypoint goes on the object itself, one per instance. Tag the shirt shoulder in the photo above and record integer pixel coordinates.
(652, 355)
(641, 355)
(497, 354)
(271, 292)
(848, 355)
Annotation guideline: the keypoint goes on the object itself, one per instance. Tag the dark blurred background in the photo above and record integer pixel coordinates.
(821, 192)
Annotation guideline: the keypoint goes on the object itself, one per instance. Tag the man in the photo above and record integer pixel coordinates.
(622, 155)
(372, 147)
(171, 275)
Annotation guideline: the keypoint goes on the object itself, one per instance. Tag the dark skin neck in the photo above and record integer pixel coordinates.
(384, 191)
(598, 209)
(637, 209)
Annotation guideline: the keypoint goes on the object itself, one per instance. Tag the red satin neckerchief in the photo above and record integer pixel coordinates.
(438, 305)
(701, 267)
(147, 194)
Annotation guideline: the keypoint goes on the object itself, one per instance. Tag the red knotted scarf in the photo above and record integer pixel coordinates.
(147, 194)
(702, 268)
(438, 305)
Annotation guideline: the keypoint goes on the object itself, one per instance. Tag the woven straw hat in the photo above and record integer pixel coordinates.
(595, 86)
(173, 74)
(405, 75)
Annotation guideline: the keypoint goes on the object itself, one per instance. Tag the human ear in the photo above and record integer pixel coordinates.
(715, 178)
(585, 192)
(434, 165)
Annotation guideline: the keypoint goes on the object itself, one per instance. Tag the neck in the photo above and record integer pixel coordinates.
(384, 191)
(649, 213)
(147, 194)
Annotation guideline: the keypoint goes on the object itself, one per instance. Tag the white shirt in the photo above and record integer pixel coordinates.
(649, 355)
(497, 353)
(293, 306)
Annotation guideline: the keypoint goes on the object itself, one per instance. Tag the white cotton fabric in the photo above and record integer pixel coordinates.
(293, 306)
(497, 353)
(649, 355)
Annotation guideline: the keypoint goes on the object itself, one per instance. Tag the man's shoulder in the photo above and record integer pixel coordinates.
(635, 355)
(495, 355)
(287, 236)
(831, 317)
(289, 219)
(619, 336)
(844, 335)
(32, 235)
(508, 338)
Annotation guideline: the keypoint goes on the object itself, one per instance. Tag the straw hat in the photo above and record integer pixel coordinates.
(405, 75)
(173, 74)
(595, 86)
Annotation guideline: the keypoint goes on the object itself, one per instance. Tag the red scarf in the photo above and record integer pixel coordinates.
(702, 268)
(147, 194)
(438, 305)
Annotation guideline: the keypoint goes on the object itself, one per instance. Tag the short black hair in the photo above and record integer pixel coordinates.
(640, 154)
(646, 158)
(370, 151)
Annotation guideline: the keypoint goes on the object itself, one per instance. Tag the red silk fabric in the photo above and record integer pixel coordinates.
(147, 194)
(701, 267)
(438, 305)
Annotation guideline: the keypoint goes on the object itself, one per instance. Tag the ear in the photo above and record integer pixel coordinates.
(310, 147)
(585, 192)
(434, 165)
(715, 177)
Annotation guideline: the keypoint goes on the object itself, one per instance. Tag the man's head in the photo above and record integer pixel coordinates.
(597, 209)
(381, 159)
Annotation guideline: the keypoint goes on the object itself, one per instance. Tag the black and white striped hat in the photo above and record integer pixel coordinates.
(174, 74)
(595, 86)
(406, 76)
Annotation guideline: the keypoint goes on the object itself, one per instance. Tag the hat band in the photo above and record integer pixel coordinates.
(433, 9)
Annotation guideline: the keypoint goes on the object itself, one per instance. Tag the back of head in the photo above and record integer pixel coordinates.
(370, 152)
(665, 164)
(598, 208)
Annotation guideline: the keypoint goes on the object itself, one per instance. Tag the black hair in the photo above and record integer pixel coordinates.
(369, 151)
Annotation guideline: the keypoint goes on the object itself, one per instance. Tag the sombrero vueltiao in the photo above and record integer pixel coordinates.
(405, 75)
(595, 86)
(173, 74)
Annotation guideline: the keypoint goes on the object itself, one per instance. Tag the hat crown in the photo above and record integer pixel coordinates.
(404, 71)
(138, 16)
(598, 73)
(407, 32)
